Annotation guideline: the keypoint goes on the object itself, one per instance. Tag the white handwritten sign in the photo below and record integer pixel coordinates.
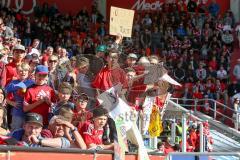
(121, 21)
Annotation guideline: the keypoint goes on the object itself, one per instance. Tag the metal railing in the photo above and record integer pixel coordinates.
(213, 108)
(153, 141)
(184, 126)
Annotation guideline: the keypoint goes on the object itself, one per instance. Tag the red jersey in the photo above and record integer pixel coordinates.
(192, 139)
(11, 72)
(91, 135)
(108, 78)
(213, 64)
(168, 150)
(34, 94)
(80, 118)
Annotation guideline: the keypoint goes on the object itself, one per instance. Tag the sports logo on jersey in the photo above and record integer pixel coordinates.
(42, 94)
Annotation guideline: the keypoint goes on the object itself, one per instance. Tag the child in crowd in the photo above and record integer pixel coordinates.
(92, 131)
(40, 97)
(81, 115)
(16, 90)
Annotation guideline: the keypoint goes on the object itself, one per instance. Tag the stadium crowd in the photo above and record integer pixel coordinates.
(53, 66)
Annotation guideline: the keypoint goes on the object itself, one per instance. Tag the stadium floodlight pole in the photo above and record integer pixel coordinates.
(184, 132)
(201, 138)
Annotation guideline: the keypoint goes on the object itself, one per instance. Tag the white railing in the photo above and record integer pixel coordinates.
(184, 126)
(213, 107)
(153, 141)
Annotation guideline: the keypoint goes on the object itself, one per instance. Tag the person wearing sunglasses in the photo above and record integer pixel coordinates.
(111, 74)
(81, 114)
(52, 66)
(47, 54)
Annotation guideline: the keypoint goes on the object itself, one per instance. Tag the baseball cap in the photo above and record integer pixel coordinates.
(236, 99)
(19, 47)
(65, 88)
(34, 117)
(41, 69)
(101, 48)
(99, 111)
(132, 55)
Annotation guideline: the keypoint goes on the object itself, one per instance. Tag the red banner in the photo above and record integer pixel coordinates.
(74, 6)
(152, 5)
(64, 6)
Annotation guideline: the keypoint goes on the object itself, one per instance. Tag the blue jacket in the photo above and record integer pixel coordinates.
(13, 87)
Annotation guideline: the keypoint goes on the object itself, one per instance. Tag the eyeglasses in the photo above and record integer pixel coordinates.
(113, 57)
(52, 61)
(82, 100)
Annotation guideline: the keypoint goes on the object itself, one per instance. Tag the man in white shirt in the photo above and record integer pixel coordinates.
(222, 73)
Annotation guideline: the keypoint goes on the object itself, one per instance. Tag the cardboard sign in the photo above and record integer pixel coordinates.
(154, 73)
(121, 21)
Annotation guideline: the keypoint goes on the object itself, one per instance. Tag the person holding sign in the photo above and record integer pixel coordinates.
(111, 74)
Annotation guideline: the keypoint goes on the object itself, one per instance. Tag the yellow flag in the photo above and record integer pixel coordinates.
(155, 127)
